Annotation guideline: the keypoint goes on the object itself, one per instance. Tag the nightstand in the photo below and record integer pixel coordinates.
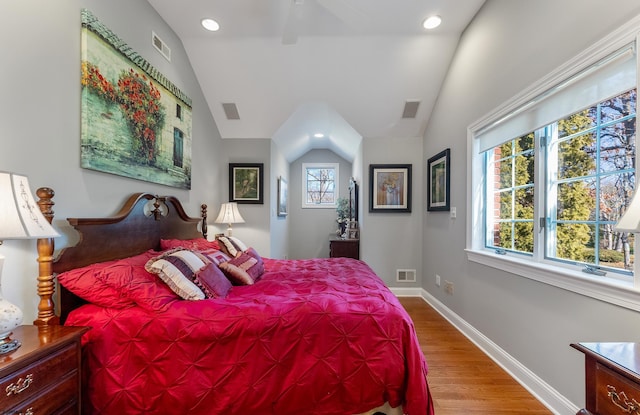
(349, 248)
(612, 378)
(43, 375)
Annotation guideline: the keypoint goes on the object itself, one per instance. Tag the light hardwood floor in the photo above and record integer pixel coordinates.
(462, 379)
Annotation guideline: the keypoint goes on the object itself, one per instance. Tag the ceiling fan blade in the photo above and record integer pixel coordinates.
(345, 12)
(291, 25)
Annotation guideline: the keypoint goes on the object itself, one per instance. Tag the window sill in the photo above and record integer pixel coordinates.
(605, 289)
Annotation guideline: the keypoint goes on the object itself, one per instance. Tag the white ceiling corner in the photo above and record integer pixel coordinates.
(346, 65)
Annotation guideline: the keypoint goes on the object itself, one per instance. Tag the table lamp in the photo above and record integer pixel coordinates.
(229, 213)
(630, 221)
(20, 218)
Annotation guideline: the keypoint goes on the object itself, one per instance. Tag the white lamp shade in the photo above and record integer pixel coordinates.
(229, 213)
(20, 216)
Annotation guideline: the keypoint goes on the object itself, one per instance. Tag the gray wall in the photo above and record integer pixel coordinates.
(279, 225)
(256, 229)
(510, 45)
(310, 229)
(40, 119)
(392, 241)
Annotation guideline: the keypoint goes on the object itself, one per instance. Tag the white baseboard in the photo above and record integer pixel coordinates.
(547, 395)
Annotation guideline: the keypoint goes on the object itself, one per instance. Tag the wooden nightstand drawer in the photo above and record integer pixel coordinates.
(349, 248)
(612, 378)
(42, 377)
(29, 381)
(63, 395)
(615, 394)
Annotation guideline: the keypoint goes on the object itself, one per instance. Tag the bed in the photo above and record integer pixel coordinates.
(314, 336)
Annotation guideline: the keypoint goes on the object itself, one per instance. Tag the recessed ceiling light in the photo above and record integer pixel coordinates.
(210, 25)
(318, 135)
(432, 22)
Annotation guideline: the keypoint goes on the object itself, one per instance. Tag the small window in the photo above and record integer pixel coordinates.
(179, 111)
(320, 185)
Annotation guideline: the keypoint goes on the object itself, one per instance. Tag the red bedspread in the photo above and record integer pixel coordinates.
(320, 336)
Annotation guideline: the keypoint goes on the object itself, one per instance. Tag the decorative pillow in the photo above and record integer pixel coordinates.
(243, 270)
(260, 264)
(197, 244)
(84, 283)
(131, 280)
(177, 268)
(217, 257)
(212, 281)
(252, 252)
(231, 246)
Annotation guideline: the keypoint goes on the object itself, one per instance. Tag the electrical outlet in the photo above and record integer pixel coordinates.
(437, 280)
(448, 287)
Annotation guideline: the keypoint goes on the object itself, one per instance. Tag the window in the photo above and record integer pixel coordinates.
(320, 185)
(552, 172)
(587, 160)
(510, 195)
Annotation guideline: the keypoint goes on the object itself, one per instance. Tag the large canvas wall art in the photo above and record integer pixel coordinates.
(135, 122)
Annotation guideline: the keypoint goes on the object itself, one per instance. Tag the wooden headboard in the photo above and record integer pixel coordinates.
(138, 226)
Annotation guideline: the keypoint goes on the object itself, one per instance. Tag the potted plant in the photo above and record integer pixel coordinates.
(343, 215)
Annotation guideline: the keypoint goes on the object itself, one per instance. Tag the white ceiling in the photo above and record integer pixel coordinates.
(344, 68)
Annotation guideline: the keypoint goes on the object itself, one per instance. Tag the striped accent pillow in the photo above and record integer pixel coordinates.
(242, 270)
(178, 268)
(231, 246)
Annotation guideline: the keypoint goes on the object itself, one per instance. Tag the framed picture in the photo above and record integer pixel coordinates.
(245, 183)
(282, 197)
(390, 188)
(438, 181)
(134, 122)
(353, 233)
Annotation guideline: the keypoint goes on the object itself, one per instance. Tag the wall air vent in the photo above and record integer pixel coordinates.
(410, 109)
(406, 275)
(161, 46)
(230, 110)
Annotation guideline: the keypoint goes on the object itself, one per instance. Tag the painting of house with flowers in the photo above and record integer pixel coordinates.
(135, 122)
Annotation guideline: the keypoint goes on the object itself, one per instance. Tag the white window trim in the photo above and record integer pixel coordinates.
(305, 166)
(610, 290)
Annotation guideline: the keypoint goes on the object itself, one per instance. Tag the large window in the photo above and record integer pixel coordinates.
(588, 163)
(554, 169)
(320, 185)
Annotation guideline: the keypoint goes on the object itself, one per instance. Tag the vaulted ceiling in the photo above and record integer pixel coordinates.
(346, 69)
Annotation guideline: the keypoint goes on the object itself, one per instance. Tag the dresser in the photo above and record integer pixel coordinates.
(43, 375)
(349, 248)
(612, 378)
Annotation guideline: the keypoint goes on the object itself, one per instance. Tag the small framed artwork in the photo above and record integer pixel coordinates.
(353, 233)
(282, 197)
(438, 181)
(390, 188)
(245, 183)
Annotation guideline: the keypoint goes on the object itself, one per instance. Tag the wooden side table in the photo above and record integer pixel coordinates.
(612, 378)
(43, 375)
(349, 248)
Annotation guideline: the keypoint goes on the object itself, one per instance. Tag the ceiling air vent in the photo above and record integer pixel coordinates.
(230, 110)
(161, 46)
(410, 109)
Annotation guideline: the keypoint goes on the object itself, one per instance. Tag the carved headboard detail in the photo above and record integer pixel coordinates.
(138, 226)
